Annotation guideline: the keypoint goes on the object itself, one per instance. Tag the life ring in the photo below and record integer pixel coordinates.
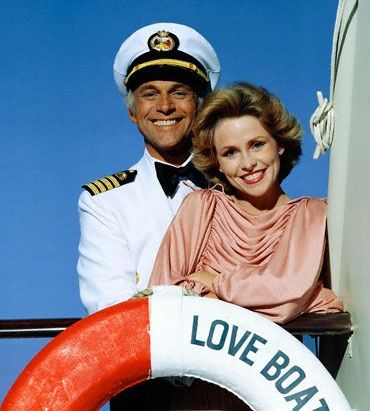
(169, 334)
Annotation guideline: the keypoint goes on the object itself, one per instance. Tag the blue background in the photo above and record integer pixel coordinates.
(63, 122)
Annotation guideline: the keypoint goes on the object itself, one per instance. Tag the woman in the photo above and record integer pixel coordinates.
(245, 241)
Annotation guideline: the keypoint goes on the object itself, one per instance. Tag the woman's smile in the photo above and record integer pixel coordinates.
(254, 177)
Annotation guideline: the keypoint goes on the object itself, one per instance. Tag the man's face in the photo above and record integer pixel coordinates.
(164, 112)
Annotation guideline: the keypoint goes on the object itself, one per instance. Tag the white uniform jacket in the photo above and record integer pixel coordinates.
(121, 230)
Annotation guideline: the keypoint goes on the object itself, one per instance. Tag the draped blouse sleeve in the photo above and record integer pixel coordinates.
(184, 242)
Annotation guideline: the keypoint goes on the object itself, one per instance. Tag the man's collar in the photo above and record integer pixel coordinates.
(151, 160)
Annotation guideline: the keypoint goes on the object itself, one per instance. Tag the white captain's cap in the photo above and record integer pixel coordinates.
(166, 51)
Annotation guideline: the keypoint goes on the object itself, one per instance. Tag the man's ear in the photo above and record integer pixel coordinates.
(132, 115)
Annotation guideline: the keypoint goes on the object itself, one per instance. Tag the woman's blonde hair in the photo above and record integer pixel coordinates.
(239, 100)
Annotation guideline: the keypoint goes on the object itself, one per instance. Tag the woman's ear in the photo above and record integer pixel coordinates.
(281, 150)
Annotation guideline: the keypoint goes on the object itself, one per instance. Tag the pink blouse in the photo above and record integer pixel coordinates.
(269, 263)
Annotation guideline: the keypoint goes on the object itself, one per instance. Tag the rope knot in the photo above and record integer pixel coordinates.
(322, 125)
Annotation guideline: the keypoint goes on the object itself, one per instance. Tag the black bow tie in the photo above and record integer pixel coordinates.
(170, 176)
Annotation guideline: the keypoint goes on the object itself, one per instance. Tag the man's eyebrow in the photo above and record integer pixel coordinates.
(174, 87)
(146, 88)
(180, 85)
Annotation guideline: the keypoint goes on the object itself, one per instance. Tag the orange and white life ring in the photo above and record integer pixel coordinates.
(166, 335)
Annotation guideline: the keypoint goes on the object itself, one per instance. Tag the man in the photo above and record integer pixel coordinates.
(162, 70)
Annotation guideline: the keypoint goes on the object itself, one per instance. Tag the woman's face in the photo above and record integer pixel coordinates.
(249, 157)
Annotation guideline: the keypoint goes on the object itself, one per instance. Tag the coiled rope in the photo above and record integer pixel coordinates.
(322, 121)
(322, 125)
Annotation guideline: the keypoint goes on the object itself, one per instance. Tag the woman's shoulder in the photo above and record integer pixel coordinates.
(311, 201)
(202, 194)
(311, 204)
(200, 198)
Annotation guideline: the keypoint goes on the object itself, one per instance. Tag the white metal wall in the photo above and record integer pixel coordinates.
(349, 201)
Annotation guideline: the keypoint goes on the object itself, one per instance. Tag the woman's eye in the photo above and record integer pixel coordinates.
(229, 153)
(258, 144)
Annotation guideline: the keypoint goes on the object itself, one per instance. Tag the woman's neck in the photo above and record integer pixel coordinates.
(258, 205)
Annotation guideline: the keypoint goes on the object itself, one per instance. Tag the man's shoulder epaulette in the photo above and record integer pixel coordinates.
(107, 183)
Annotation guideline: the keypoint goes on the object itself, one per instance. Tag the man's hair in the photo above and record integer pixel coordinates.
(236, 101)
(129, 101)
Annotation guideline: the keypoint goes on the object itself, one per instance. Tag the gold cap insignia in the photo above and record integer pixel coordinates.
(163, 41)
